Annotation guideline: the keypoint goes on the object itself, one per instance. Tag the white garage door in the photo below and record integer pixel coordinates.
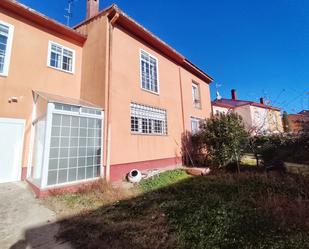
(11, 144)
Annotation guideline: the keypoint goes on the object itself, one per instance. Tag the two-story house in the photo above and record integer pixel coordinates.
(94, 101)
(258, 118)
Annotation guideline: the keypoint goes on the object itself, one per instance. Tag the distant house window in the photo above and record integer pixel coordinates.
(148, 120)
(6, 36)
(149, 72)
(61, 58)
(195, 124)
(196, 95)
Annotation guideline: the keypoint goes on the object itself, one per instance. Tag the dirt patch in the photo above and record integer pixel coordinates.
(87, 198)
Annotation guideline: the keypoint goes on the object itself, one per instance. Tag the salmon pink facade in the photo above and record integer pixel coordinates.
(98, 100)
(28, 68)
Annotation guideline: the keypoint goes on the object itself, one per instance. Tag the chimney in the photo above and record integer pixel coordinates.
(92, 8)
(234, 96)
(262, 101)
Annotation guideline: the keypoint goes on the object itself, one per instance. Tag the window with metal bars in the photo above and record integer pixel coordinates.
(148, 120)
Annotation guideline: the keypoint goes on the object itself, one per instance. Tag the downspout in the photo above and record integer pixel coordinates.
(182, 105)
(182, 145)
(108, 109)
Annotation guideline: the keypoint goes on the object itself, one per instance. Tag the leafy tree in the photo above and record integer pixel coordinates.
(224, 138)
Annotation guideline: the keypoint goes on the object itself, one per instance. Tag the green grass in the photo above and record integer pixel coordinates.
(245, 211)
(163, 180)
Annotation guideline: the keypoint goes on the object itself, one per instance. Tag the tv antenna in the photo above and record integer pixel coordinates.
(69, 11)
(219, 97)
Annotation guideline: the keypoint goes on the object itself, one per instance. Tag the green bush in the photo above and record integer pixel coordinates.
(221, 140)
(276, 149)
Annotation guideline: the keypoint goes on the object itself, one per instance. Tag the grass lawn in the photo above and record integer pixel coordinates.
(177, 211)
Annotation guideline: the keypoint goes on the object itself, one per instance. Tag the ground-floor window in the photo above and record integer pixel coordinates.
(148, 120)
(195, 124)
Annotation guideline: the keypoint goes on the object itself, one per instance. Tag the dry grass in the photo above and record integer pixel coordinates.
(87, 197)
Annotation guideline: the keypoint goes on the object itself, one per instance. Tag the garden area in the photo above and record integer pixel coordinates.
(237, 205)
(223, 142)
(175, 210)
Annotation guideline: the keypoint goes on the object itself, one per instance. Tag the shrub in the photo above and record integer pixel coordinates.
(275, 149)
(224, 138)
(220, 141)
(192, 150)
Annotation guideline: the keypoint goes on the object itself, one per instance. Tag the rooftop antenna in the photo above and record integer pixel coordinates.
(69, 11)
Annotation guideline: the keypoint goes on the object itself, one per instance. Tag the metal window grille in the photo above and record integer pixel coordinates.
(148, 120)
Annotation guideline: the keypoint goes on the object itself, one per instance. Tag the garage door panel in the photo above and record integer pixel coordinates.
(11, 144)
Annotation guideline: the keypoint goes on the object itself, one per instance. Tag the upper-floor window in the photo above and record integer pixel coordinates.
(61, 58)
(148, 120)
(196, 95)
(149, 72)
(6, 37)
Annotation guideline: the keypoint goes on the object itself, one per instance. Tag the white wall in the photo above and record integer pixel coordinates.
(219, 109)
(260, 119)
(245, 113)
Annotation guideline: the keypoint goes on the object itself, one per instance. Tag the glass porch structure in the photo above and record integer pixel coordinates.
(68, 141)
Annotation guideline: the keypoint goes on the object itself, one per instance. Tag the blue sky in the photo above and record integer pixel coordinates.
(259, 47)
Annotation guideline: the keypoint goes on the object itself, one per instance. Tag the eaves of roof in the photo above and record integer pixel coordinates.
(123, 20)
(39, 19)
(222, 105)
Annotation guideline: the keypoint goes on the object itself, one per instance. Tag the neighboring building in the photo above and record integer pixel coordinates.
(94, 101)
(297, 121)
(304, 112)
(258, 118)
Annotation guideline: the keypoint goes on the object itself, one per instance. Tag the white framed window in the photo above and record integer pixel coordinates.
(6, 39)
(60, 57)
(148, 120)
(195, 125)
(149, 72)
(196, 95)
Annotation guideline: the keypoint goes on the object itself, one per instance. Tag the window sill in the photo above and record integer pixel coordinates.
(198, 107)
(149, 91)
(4, 75)
(148, 135)
(61, 70)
